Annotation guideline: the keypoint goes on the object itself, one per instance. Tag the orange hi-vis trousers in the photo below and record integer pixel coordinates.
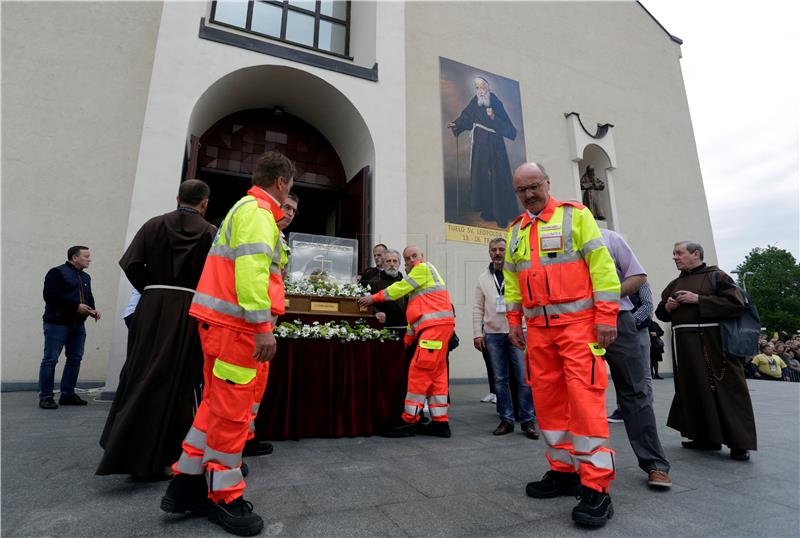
(216, 439)
(427, 374)
(569, 394)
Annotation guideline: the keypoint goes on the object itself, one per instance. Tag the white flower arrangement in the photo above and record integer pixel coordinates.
(322, 288)
(342, 330)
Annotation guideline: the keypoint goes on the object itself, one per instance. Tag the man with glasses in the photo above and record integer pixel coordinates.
(560, 276)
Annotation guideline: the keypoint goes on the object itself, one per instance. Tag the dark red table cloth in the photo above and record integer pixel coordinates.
(326, 388)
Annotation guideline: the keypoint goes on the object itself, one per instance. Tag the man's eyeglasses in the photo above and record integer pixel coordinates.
(534, 187)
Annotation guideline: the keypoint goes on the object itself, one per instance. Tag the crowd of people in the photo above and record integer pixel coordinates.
(777, 360)
(560, 301)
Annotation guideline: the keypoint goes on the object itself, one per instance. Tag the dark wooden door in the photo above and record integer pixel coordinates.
(355, 215)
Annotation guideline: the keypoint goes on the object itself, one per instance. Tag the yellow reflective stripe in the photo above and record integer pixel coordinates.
(240, 375)
(430, 344)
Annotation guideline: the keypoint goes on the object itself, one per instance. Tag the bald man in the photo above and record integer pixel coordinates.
(431, 323)
(560, 278)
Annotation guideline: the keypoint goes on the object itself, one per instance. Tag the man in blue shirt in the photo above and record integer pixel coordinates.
(68, 301)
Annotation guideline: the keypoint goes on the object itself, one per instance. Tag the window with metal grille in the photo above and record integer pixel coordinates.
(322, 25)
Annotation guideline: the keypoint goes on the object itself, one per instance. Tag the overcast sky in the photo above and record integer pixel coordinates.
(742, 72)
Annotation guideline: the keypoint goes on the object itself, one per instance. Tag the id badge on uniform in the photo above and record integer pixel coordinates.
(501, 303)
(551, 238)
(773, 366)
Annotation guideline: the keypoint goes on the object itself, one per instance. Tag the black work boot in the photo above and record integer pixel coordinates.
(555, 484)
(404, 429)
(236, 517)
(187, 493)
(594, 508)
(436, 428)
(257, 448)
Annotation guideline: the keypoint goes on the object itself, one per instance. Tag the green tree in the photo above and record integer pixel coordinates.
(774, 286)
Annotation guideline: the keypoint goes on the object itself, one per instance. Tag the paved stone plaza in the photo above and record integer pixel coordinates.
(470, 485)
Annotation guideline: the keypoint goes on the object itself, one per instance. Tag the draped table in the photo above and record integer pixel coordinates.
(327, 388)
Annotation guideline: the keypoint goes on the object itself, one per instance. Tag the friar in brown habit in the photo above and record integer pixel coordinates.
(712, 403)
(159, 386)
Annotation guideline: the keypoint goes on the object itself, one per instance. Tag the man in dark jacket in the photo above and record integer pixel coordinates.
(68, 301)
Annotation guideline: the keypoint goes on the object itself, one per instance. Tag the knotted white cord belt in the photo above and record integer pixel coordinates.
(165, 287)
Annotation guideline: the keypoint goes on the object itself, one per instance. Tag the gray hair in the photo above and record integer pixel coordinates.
(496, 240)
(692, 247)
(392, 251)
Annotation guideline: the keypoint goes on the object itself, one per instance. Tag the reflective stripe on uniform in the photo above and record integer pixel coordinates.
(607, 296)
(438, 399)
(510, 267)
(417, 293)
(411, 282)
(592, 245)
(239, 375)
(559, 308)
(514, 233)
(439, 411)
(524, 265)
(255, 408)
(225, 458)
(412, 409)
(195, 438)
(229, 227)
(601, 459)
(275, 269)
(442, 314)
(559, 454)
(251, 427)
(188, 465)
(411, 397)
(513, 307)
(566, 227)
(586, 444)
(430, 344)
(222, 480)
(231, 309)
(557, 437)
(565, 257)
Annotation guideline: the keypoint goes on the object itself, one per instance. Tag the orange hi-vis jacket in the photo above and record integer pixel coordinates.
(429, 303)
(241, 286)
(558, 270)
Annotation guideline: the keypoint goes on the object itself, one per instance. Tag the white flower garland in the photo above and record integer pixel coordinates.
(342, 330)
(321, 288)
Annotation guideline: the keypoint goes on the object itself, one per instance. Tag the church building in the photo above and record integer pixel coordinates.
(108, 106)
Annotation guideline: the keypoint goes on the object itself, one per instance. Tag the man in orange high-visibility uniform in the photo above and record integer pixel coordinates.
(561, 276)
(431, 323)
(238, 297)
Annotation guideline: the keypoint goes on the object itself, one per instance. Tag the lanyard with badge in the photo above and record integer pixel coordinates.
(500, 300)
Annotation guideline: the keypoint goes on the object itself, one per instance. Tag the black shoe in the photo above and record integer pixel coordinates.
(48, 403)
(404, 429)
(740, 454)
(257, 448)
(71, 399)
(555, 484)
(504, 428)
(236, 517)
(594, 508)
(616, 417)
(657, 377)
(530, 429)
(701, 445)
(187, 493)
(436, 429)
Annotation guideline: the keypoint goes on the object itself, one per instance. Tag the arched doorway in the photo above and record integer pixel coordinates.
(262, 108)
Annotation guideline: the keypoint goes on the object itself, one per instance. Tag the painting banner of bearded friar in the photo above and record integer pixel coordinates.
(483, 142)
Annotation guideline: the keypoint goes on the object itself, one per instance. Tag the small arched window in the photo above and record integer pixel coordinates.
(322, 25)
